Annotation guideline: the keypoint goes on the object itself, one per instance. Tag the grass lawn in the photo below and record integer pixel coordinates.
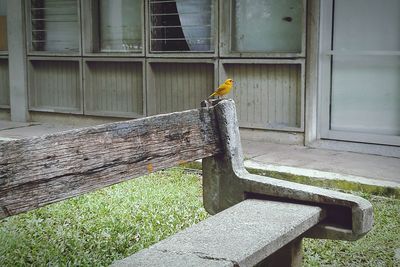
(98, 228)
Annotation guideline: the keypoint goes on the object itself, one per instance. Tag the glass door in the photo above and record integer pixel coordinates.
(360, 71)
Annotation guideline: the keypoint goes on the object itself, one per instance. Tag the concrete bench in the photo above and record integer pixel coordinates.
(242, 235)
(259, 220)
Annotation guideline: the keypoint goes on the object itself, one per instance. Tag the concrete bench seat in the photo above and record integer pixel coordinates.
(242, 235)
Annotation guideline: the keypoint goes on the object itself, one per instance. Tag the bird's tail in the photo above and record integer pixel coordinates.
(213, 94)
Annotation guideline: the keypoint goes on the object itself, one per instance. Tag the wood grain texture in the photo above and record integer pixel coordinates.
(42, 170)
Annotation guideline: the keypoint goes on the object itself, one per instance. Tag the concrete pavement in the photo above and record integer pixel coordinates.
(320, 163)
(292, 159)
(17, 130)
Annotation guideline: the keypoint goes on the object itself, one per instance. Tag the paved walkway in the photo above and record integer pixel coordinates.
(323, 163)
(298, 160)
(17, 130)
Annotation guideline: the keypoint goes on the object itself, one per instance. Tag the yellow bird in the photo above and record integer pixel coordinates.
(223, 89)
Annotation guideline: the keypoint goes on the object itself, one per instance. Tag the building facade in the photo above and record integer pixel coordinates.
(320, 73)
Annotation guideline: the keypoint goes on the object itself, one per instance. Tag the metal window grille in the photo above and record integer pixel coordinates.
(55, 25)
(181, 25)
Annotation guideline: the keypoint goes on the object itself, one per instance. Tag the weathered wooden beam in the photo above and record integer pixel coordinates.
(42, 170)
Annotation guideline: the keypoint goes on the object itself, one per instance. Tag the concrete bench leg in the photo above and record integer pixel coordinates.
(289, 255)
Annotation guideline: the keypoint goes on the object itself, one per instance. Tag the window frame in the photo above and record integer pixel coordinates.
(29, 47)
(326, 54)
(226, 36)
(91, 32)
(5, 57)
(184, 54)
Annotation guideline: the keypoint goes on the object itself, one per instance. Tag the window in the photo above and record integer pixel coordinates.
(263, 28)
(360, 66)
(120, 25)
(55, 26)
(3, 25)
(366, 84)
(4, 84)
(181, 25)
(278, 29)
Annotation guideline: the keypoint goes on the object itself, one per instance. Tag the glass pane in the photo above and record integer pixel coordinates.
(267, 25)
(366, 94)
(181, 25)
(120, 25)
(55, 26)
(3, 25)
(4, 83)
(366, 89)
(366, 25)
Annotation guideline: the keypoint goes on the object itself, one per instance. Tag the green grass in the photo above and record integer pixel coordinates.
(98, 228)
(377, 248)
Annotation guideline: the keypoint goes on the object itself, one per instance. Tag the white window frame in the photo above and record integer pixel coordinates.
(324, 83)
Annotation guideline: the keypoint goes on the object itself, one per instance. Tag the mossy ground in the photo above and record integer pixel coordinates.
(326, 183)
